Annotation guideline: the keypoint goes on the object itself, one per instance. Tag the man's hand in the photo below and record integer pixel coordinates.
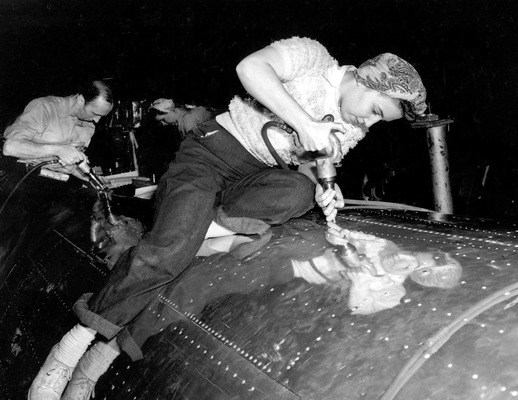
(69, 154)
(74, 171)
(329, 201)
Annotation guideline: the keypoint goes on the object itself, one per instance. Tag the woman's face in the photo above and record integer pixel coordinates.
(401, 262)
(363, 107)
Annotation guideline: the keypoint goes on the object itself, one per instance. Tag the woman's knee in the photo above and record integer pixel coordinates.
(305, 189)
(298, 194)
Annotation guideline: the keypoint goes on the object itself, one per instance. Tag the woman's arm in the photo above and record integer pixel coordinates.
(260, 75)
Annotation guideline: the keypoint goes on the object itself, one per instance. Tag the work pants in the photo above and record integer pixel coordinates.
(212, 178)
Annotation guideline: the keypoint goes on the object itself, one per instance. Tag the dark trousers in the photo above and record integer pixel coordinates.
(212, 178)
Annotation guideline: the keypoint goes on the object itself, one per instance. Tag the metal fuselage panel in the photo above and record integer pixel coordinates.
(242, 325)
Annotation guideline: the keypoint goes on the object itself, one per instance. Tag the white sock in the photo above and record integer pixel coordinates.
(73, 345)
(97, 360)
(216, 230)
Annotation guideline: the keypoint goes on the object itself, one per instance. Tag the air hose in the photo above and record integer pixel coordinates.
(41, 164)
(273, 152)
(326, 168)
(325, 165)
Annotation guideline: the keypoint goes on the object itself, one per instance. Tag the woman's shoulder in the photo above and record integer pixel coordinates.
(302, 55)
(302, 45)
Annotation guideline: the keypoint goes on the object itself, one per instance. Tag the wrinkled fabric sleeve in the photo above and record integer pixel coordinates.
(31, 123)
(300, 55)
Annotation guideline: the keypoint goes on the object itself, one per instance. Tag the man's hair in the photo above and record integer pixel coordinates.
(92, 89)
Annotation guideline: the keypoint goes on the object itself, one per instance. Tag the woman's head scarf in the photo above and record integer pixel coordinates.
(393, 76)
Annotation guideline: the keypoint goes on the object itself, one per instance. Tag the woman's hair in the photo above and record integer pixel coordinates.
(407, 109)
(446, 272)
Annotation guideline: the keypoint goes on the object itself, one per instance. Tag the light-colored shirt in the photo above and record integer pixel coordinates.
(312, 77)
(49, 120)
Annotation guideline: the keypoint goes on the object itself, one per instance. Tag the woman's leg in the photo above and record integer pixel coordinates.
(90, 368)
(57, 370)
(185, 209)
(273, 196)
(185, 213)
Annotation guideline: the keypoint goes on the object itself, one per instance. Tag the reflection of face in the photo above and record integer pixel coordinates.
(94, 110)
(363, 107)
(401, 262)
(423, 268)
(425, 259)
(444, 276)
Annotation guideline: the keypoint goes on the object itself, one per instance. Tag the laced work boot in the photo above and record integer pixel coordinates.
(80, 387)
(51, 379)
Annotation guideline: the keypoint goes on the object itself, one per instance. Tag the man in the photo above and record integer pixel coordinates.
(165, 127)
(59, 127)
(51, 129)
(226, 180)
(186, 118)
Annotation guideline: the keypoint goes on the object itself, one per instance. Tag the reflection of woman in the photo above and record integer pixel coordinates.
(432, 269)
(368, 293)
(376, 269)
(437, 270)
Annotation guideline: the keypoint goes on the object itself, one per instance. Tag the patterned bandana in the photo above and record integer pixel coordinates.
(393, 76)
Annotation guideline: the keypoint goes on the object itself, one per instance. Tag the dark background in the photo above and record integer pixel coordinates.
(465, 50)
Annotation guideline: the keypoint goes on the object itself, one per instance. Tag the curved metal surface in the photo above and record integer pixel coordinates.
(240, 325)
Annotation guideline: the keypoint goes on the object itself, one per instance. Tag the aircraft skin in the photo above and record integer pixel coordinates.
(246, 325)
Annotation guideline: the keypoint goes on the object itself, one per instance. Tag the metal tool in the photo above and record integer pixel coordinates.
(326, 165)
(85, 168)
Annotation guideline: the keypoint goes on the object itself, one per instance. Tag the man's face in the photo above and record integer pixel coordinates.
(363, 107)
(169, 118)
(94, 110)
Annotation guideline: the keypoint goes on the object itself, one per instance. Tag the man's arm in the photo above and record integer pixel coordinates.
(29, 149)
(21, 138)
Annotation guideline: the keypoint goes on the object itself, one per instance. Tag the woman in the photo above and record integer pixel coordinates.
(225, 181)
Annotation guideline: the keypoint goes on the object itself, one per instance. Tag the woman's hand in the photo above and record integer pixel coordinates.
(260, 74)
(329, 201)
(314, 135)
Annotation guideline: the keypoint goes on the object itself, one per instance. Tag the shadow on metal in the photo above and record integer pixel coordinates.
(240, 325)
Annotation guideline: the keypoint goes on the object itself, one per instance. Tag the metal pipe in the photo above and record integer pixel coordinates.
(438, 152)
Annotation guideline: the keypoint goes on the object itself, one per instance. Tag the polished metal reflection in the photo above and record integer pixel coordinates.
(392, 305)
